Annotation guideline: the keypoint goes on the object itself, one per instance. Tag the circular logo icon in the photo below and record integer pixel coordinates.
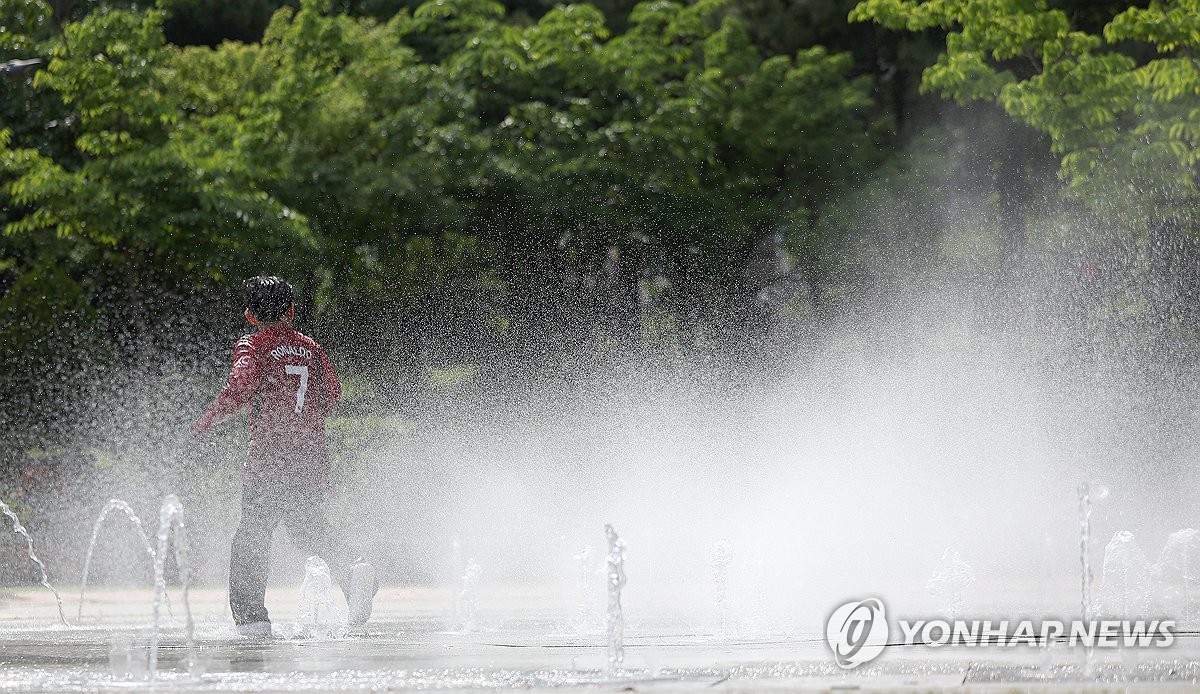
(857, 632)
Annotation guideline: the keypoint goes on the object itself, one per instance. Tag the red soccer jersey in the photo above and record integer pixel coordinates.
(292, 388)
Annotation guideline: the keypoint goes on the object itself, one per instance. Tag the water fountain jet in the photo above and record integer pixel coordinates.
(45, 580)
(317, 608)
(1175, 574)
(951, 582)
(125, 508)
(615, 564)
(468, 597)
(1085, 566)
(170, 521)
(1125, 582)
(1087, 492)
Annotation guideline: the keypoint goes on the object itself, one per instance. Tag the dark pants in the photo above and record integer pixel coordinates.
(264, 505)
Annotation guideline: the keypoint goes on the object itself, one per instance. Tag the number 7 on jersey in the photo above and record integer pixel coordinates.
(302, 372)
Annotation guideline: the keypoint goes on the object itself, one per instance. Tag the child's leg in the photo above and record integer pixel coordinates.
(312, 533)
(261, 512)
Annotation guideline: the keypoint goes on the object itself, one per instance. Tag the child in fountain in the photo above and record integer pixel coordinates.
(293, 388)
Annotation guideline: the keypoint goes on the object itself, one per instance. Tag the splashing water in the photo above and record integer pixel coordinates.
(45, 580)
(1175, 569)
(720, 559)
(468, 597)
(121, 661)
(615, 564)
(1125, 583)
(317, 606)
(1086, 491)
(170, 520)
(951, 582)
(113, 505)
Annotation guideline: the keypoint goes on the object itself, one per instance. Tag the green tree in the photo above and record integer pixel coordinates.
(154, 205)
(1120, 107)
(1112, 120)
(348, 125)
(672, 149)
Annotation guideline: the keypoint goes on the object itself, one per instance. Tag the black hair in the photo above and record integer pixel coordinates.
(268, 298)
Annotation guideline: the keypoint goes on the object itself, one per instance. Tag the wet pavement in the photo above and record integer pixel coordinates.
(409, 645)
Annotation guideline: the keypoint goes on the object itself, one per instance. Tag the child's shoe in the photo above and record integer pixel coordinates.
(255, 630)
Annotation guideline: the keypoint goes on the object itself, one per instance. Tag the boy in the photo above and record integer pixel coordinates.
(293, 388)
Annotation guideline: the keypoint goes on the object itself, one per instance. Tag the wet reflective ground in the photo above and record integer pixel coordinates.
(408, 647)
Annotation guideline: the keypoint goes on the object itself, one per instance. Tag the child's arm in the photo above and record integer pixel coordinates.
(238, 390)
(331, 387)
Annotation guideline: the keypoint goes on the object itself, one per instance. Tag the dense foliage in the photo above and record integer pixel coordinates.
(461, 182)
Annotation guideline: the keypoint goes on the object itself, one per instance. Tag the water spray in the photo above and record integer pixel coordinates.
(1087, 491)
(170, 521)
(1177, 556)
(45, 580)
(1085, 566)
(125, 508)
(951, 581)
(468, 597)
(316, 606)
(615, 563)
